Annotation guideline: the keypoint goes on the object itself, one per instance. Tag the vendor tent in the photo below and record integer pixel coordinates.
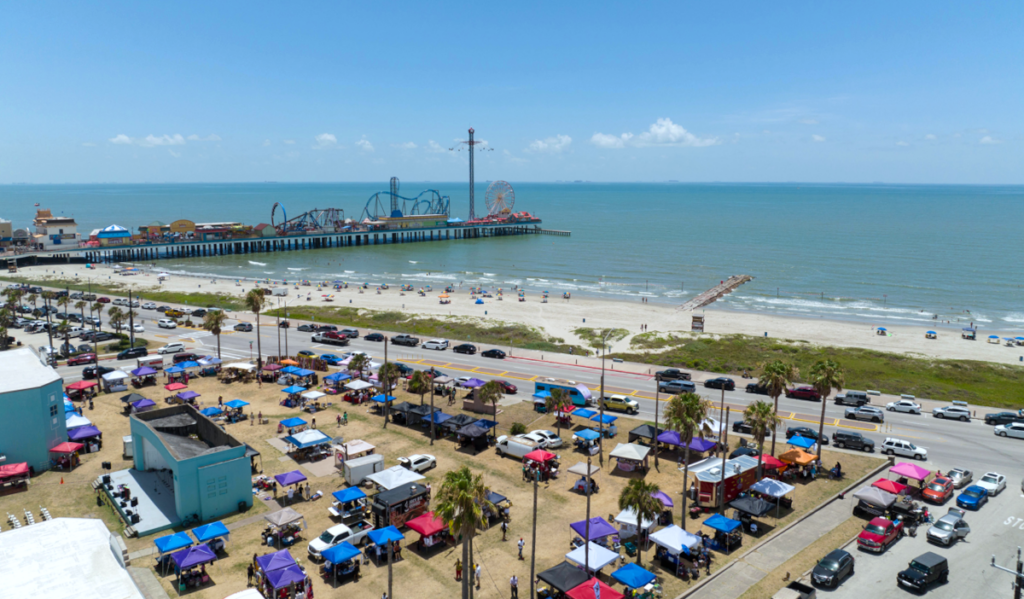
(76, 421)
(752, 505)
(337, 377)
(910, 471)
(358, 385)
(599, 528)
(663, 498)
(628, 517)
(458, 421)
(539, 455)
(193, 556)
(889, 486)
(594, 589)
(630, 451)
(176, 369)
(143, 371)
(633, 576)
(564, 577)
(285, 577)
(584, 413)
(12, 470)
(275, 561)
(772, 487)
(438, 417)
(542, 396)
(771, 462)
(243, 366)
(395, 477)
(646, 432)
(313, 395)
(875, 496)
(426, 524)
(582, 469)
(235, 404)
(84, 432)
(187, 395)
(598, 557)
(178, 540)
(587, 434)
(289, 478)
(801, 442)
(293, 422)
(400, 408)
(116, 375)
(486, 424)
(357, 447)
(603, 418)
(208, 532)
(383, 398)
(211, 411)
(341, 552)
(308, 438)
(702, 445)
(66, 447)
(388, 534)
(284, 516)
(81, 385)
(675, 539)
(175, 386)
(798, 456)
(348, 494)
(293, 389)
(471, 430)
(473, 383)
(721, 523)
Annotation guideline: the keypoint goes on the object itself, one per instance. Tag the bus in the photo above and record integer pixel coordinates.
(578, 392)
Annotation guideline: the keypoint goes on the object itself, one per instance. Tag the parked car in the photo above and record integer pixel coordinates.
(493, 353)
(833, 568)
(1014, 429)
(465, 348)
(103, 300)
(284, 324)
(676, 386)
(171, 348)
(551, 439)
(200, 313)
(434, 373)
(972, 498)
(89, 358)
(865, 413)
(1002, 418)
(331, 337)
(331, 359)
(938, 491)
(852, 440)
(351, 333)
(993, 482)
(757, 388)
(806, 432)
(961, 477)
(172, 313)
(621, 403)
(672, 374)
(149, 306)
(507, 388)
(903, 405)
(747, 451)
(134, 352)
(952, 412)
(949, 528)
(325, 327)
(335, 535)
(803, 392)
(92, 372)
(879, 534)
(167, 323)
(438, 344)
(306, 328)
(244, 327)
(185, 357)
(306, 354)
(893, 446)
(407, 340)
(419, 462)
(374, 337)
(742, 426)
(720, 383)
(163, 309)
(923, 571)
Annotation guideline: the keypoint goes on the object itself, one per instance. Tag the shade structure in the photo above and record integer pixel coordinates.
(594, 589)
(131, 398)
(81, 385)
(175, 386)
(598, 557)
(473, 383)
(116, 375)
(271, 367)
(471, 431)
(290, 369)
(341, 552)
(401, 408)
(628, 516)
(581, 469)
(587, 434)
(438, 417)
(289, 478)
(671, 438)
(486, 424)
(458, 421)
(313, 395)
(630, 451)
(187, 395)
(236, 404)
(68, 406)
(754, 506)
(720, 522)
(798, 456)
(308, 438)
(599, 528)
(910, 471)
(302, 372)
(66, 447)
(663, 498)
(542, 394)
(284, 577)
(772, 487)
(84, 432)
(189, 364)
(282, 517)
(75, 421)
(208, 532)
(193, 556)
(564, 577)
(633, 576)
(701, 445)
(426, 524)
(383, 398)
(293, 389)
(358, 385)
(875, 496)
(801, 442)
(11, 470)
(394, 477)
(176, 369)
(337, 377)
(675, 539)
(931, 333)
(357, 446)
(495, 498)
(771, 462)
(539, 455)
(275, 561)
(289, 362)
(889, 486)
(584, 413)
(143, 371)
(211, 411)
(173, 542)
(349, 494)
(388, 534)
(604, 418)
(293, 422)
(882, 329)
(209, 361)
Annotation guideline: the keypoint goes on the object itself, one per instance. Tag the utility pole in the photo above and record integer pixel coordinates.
(533, 541)
(49, 328)
(586, 541)
(289, 327)
(600, 409)
(279, 329)
(131, 320)
(721, 494)
(384, 384)
(657, 405)
(1018, 574)
(724, 432)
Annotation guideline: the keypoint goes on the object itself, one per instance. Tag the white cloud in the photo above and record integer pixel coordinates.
(662, 133)
(325, 141)
(150, 140)
(266, 142)
(405, 146)
(930, 137)
(173, 153)
(434, 147)
(289, 142)
(89, 144)
(121, 139)
(557, 143)
(818, 138)
(365, 145)
(988, 140)
(809, 121)
(902, 144)
(210, 137)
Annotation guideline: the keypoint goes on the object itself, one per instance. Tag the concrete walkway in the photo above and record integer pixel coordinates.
(742, 574)
(148, 584)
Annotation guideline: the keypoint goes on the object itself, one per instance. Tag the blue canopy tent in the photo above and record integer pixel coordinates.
(308, 438)
(633, 576)
(290, 369)
(604, 419)
(236, 404)
(169, 544)
(293, 422)
(348, 495)
(586, 437)
(486, 424)
(801, 442)
(339, 554)
(174, 370)
(439, 417)
(384, 535)
(189, 364)
(211, 411)
(293, 389)
(584, 413)
(302, 372)
(726, 526)
(337, 377)
(542, 394)
(215, 533)
(382, 398)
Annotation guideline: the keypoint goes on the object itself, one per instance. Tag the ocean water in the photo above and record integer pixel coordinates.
(877, 253)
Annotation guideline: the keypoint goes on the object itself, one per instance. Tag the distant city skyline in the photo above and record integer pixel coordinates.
(663, 91)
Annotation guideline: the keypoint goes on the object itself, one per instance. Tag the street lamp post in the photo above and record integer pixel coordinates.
(600, 401)
(1018, 573)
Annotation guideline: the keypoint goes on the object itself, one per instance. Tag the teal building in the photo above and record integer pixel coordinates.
(31, 409)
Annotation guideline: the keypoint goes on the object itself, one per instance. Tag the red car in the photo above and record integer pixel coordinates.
(804, 392)
(879, 534)
(938, 491)
(103, 300)
(82, 359)
(507, 387)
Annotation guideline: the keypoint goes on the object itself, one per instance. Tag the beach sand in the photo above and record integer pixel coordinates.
(559, 318)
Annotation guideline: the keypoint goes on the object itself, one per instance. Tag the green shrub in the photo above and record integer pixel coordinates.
(518, 428)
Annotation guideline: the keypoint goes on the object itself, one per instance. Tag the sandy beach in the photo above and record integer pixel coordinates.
(559, 317)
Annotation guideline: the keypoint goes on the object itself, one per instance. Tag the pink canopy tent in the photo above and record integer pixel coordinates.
(889, 486)
(910, 471)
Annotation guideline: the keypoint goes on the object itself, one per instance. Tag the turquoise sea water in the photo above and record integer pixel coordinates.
(879, 253)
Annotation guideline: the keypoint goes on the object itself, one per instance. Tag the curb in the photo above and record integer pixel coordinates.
(887, 463)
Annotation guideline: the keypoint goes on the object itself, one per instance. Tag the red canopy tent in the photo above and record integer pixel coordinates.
(81, 385)
(771, 462)
(426, 524)
(176, 386)
(67, 447)
(586, 591)
(13, 470)
(539, 455)
(889, 486)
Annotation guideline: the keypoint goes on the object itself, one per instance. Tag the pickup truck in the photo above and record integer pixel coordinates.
(355, 533)
(796, 590)
(405, 340)
(330, 337)
(671, 374)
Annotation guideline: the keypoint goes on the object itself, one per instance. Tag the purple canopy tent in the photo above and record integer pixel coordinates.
(473, 383)
(696, 443)
(280, 579)
(83, 432)
(193, 556)
(187, 395)
(663, 498)
(289, 478)
(701, 445)
(599, 527)
(143, 371)
(275, 561)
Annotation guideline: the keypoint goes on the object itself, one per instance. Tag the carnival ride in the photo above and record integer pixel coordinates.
(500, 198)
(390, 204)
(326, 220)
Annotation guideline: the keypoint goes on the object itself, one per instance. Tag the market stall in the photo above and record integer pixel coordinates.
(399, 412)
(311, 401)
(667, 504)
(630, 526)
(14, 475)
(586, 440)
(472, 434)
(143, 405)
(501, 505)
(292, 425)
(382, 539)
(211, 412)
(433, 532)
(358, 391)
(283, 527)
(593, 557)
(309, 445)
(236, 410)
(349, 503)
(605, 424)
(748, 507)
(188, 397)
(143, 376)
(420, 415)
(774, 491)
(190, 566)
(562, 578)
(728, 533)
(456, 422)
(584, 471)
(334, 382)
(890, 486)
(167, 545)
(288, 479)
(697, 444)
(351, 450)
(176, 386)
(872, 502)
(645, 434)
(340, 561)
(594, 589)
(394, 477)
(81, 390)
(67, 455)
(598, 528)
(635, 578)
(90, 436)
(293, 400)
(542, 462)
(115, 381)
(911, 472)
(209, 366)
(631, 457)
(674, 546)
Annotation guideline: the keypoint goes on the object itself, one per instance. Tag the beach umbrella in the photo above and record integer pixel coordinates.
(882, 329)
(993, 336)
(932, 333)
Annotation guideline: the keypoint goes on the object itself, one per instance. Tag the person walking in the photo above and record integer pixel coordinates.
(514, 583)
(458, 569)
(521, 545)
(476, 575)
(504, 530)
(338, 420)
(250, 572)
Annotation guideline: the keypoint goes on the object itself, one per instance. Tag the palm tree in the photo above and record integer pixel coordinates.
(80, 306)
(115, 317)
(388, 377)
(776, 377)
(826, 375)
(6, 316)
(32, 299)
(763, 419)
(214, 322)
(686, 413)
(639, 497)
(359, 363)
(98, 307)
(421, 384)
(63, 329)
(461, 501)
(491, 393)
(558, 400)
(254, 302)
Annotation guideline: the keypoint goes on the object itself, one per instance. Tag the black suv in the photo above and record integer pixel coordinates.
(852, 440)
(405, 340)
(1002, 418)
(923, 571)
(671, 374)
(806, 432)
(742, 426)
(465, 348)
(757, 388)
(720, 383)
(135, 352)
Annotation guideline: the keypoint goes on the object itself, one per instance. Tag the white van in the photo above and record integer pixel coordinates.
(154, 362)
(281, 291)
(171, 348)
(515, 446)
(440, 344)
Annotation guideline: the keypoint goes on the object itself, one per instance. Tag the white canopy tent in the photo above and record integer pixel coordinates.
(76, 421)
(116, 375)
(581, 469)
(630, 451)
(674, 539)
(242, 366)
(599, 556)
(358, 385)
(627, 520)
(357, 447)
(313, 395)
(395, 477)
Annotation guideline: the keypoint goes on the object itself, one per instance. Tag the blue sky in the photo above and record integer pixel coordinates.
(919, 92)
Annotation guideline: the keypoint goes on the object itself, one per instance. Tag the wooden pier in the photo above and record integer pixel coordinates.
(715, 293)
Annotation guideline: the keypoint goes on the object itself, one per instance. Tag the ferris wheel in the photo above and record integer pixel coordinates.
(500, 198)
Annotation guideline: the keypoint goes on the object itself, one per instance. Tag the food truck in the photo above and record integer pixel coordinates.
(740, 474)
(399, 505)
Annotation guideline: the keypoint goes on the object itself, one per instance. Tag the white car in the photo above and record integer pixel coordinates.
(187, 310)
(348, 355)
(419, 462)
(120, 302)
(952, 412)
(1014, 429)
(149, 306)
(993, 482)
(171, 348)
(546, 439)
(463, 380)
(139, 328)
(903, 405)
(167, 323)
(438, 344)
(893, 446)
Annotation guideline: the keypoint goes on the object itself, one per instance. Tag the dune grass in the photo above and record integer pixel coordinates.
(147, 293)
